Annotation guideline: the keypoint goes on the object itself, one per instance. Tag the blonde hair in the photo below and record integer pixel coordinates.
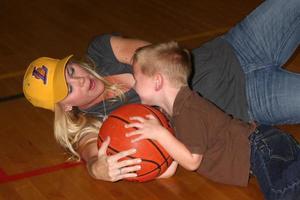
(71, 126)
(166, 58)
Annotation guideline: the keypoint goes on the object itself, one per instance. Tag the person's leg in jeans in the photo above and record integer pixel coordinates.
(275, 161)
(263, 42)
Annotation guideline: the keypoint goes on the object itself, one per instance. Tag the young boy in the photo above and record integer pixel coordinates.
(209, 141)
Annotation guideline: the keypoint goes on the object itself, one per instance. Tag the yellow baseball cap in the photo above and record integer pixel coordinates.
(44, 82)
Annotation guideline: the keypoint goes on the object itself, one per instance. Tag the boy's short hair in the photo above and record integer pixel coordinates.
(166, 58)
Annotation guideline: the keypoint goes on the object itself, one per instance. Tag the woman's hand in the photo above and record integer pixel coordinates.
(109, 168)
(147, 128)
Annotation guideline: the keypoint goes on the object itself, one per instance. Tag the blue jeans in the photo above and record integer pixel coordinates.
(275, 161)
(263, 42)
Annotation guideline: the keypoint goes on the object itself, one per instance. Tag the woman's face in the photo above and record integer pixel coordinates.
(85, 90)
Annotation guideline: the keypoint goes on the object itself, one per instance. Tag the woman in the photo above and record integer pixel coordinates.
(240, 72)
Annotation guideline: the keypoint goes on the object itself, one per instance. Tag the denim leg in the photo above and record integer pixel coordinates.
(263, 42)
(268, 36)
(274, 96)
(275, 161)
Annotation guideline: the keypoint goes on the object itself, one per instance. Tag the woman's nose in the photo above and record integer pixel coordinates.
(78, 80)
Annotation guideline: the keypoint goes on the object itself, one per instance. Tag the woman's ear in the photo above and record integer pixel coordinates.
(67, 108)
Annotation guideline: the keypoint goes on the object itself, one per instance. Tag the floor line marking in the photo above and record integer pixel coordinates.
(12, 74)
(12, 97)
(2, 173)
(4, 178)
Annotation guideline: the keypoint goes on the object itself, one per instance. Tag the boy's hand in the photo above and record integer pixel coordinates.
(147, 128)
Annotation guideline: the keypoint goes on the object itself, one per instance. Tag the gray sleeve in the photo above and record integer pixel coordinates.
(100, 51)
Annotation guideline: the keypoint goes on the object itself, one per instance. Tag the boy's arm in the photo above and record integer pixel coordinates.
(178, 151)
(149, 128)
(170, 171)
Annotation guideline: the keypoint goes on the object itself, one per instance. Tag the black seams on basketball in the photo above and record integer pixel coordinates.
(155, 159)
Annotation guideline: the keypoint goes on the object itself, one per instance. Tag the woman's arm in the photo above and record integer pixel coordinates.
(124, 48)
(103, 167)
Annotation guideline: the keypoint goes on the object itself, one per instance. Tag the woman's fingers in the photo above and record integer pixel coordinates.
(126, 172)
(118, 169)
(102, 150)
(123, 169)
(128, 175)
(129, 171)
(114, 158)
(129, 162)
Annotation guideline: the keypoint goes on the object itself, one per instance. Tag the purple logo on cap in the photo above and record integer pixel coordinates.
(40, 73)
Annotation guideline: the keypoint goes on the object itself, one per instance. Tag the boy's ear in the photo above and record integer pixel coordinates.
(159, 80)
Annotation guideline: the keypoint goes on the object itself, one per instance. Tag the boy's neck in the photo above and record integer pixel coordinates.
(168, 99)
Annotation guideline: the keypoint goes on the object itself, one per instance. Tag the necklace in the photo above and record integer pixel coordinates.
(104, 109)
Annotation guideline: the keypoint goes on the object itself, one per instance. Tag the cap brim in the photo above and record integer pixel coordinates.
(60, 87)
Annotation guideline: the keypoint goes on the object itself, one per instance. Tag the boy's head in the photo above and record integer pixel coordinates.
(156, 64)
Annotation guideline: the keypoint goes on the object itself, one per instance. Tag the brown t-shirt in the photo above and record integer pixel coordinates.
(222, 140)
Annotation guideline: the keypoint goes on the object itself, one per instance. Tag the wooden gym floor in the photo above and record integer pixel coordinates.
(32, 165)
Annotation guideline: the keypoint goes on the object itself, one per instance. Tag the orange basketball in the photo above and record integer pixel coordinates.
(155, 159)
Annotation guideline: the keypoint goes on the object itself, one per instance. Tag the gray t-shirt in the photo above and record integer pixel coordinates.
(100, 51)
(217, 76)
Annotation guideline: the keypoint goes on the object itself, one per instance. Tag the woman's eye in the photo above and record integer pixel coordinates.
(70, 71)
